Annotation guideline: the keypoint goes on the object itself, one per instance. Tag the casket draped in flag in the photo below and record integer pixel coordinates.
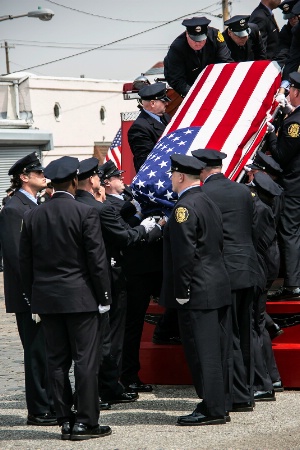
(225, 110)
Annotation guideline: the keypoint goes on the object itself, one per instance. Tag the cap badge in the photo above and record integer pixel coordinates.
(285, 7)
(242, 22)
(198, 29)
(293, 130)
(181, 214)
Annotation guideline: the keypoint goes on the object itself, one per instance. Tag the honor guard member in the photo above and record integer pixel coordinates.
(239, 225)
(116, 237)
(65, 275)
(195, 282)
(285, 150)
(243, 39)
(150, 124)
(141, 264)
(263, 17)
(293, 60)
(285, 35)
(192, 51)
(27, 180)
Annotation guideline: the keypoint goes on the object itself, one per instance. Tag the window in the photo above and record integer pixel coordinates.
(57, 111)
(103, 114)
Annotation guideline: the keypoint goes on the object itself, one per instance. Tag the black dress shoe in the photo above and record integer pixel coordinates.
(139, 387)
(278, 386)
(197, 418)
(82, 432)
(227, 417)
(45, 420)
(66, 431)
(264, 396)
(104, 406)
(284, 293)
(125, 397)
(274, 331)
(242, 407)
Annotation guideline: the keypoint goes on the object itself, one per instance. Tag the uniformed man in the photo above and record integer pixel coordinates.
(286, 35)
(27, 180)
(243, 39)
(263, 17)
(285, 150)
(293, 59)
(239, 226)
(193, 243)
(150, 124)
(116, 237)
(142, 266)
(65, 275)
(192, 51)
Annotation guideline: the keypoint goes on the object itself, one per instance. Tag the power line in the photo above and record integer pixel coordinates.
(106, 45)
(116, 19)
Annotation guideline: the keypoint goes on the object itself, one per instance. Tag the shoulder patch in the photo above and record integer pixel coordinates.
(181, 214)
(293, 130)
(220, 37)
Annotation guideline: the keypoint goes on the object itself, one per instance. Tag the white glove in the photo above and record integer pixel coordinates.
(270, 127)
(103, 309)
(182, 301)
(148, 224)
(36, 318)
(280, 98)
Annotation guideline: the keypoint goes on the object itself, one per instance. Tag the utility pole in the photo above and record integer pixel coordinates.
(7, 47)
(225, 10)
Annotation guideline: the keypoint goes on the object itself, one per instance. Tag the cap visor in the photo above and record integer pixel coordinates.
(288, 16)
(198, 37)
(242, 33)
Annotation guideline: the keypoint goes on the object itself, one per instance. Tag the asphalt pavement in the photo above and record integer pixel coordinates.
(149, 423)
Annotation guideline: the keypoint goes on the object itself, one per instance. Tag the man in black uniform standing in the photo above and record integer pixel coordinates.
(243, 39)
(65, 275)
(286, 32)
(263, 17)
(150, 124)
(285, 150)
(239, 225)
(195, 282)
(27, 180)
(192, 51)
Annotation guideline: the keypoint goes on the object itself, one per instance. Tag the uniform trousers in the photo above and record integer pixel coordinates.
(201, 334)
(243, 358)
(37, 383)
(74, 336)
(289, 240)
(139, 289)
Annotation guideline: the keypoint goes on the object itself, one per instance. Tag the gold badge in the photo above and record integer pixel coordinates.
(220, 37)
(293, 130)
(252, 193)
(181, 214)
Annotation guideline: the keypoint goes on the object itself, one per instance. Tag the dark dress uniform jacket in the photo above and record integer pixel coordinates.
(293, 58)
(285, 150)
(268, 27)
(69, 272)
(253, 50)
(11, 218)
(239, 224)
(196, 269)
(285, 40)
(143, 135)
(182, 64)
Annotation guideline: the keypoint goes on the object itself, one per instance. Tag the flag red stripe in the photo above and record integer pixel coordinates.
(114, 155)
(193, 93)
(211, 100)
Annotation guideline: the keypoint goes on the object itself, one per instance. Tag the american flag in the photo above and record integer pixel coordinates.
(225, 110)
(114, 151)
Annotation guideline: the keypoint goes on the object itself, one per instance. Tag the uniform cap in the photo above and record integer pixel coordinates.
(210, 157)
(286, 8)
(109, 169)
(264, 182)
(87, 168)
(295, 79)
(238, 25)
(62, 169)
(186, 164)
(197, 28)
(266, 163)
(27, 164)
(155, 91)
(296, 9)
